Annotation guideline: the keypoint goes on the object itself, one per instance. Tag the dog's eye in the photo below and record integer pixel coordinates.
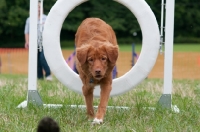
(103, 58)
(90, 60)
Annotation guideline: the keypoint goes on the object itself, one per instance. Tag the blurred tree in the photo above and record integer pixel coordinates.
(2, 15)
(187, 19)
(13, 14)
(118, 16)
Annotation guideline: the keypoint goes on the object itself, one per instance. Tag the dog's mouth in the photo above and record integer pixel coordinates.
(98, 76)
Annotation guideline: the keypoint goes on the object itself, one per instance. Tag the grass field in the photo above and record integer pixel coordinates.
(176, 47)
(190, 47)
(186, 95)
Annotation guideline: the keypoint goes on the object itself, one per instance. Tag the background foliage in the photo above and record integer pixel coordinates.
(13, 14)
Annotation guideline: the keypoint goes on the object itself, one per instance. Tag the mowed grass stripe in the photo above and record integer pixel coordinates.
(186, 95)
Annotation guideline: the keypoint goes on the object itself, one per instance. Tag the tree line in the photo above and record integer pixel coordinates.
(13, 14)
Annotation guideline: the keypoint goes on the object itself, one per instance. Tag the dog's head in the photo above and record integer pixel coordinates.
(99, 60)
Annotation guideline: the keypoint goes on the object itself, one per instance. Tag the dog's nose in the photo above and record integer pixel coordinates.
(98, 72)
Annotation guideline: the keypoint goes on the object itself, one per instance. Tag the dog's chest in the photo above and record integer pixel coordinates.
(94, 82)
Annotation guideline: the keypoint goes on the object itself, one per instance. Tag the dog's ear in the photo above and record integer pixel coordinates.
(81, 54)
(112, 52)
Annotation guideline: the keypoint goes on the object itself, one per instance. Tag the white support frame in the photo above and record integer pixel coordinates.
(32, 76)
(161, 26)
(165, 100)
(33, 95)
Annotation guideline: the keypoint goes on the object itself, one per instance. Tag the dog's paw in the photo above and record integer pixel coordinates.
(97, 121)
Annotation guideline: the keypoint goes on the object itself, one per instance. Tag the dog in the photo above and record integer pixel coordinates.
(96, 55)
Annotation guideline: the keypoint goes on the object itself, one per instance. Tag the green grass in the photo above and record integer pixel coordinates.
(128, 47)
(186, 95)
(187, 47)
(176, 47)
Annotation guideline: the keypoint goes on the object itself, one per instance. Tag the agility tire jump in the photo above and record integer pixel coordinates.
(143, 66)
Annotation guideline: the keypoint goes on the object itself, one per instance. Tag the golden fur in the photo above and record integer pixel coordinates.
(96, 56)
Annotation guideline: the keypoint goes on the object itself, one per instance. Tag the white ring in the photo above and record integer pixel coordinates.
(145, 62)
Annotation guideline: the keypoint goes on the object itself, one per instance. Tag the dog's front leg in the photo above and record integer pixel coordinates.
(88, 95)
(104, 97)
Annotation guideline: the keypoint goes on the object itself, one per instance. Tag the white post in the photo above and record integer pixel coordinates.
(33, 95)
(161, 26)
(32, 63)
(169, 35)
(41, 14)
(165, 99)
(162, 15)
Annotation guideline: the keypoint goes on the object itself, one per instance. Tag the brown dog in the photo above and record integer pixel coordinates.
(96, 56)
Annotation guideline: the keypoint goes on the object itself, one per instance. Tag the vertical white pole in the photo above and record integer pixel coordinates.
(32, 63)
(32, 94)
(41, 14)
(169, 35)
(161, 26)
(162, 14)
